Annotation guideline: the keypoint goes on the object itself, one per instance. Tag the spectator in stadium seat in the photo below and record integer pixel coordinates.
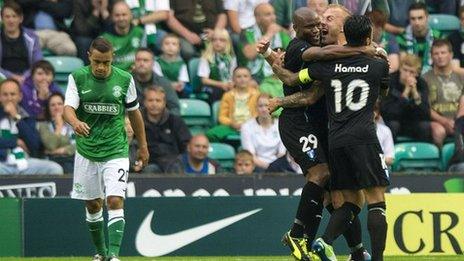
(124, 37)
(56, 135)
(37, 88)
(167, 134)
(171, 65)
(445, 91)
(398, 18)
(216, 66)
(194, 21)
(386, 40)
(318, 6)
(284, 164)
(144, 77)
(19, 46)
(244, 164)
(418, 36)
(48, 20)
(19, 137)
(406, 108)
(195, 161)
(90, 18)
(240, 13)
(457, 42)
(149, 13)
(265, 27)
(260, 136)
(237, 106)
(361, 7)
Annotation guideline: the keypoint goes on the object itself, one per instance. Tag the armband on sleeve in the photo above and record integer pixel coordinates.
(303, 76)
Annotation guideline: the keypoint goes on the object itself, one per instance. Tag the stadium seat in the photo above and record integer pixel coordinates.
(446, 153)
(416, 156)
(224, 154)
(401, 139)
(196, 114)
(195, 81)
(64, 65)
(444, 23)
(454, 185)
(215, 109)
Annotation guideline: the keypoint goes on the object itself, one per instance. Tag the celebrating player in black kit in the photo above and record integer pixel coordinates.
(303, 129)
(352, 86)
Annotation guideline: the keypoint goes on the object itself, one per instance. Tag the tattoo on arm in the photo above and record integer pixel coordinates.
(303, 98)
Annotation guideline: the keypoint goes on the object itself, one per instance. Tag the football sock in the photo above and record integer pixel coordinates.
(353, 236)
(308, 214)
(377, 227)
(96, 229)
(340, 220)
(116, 224)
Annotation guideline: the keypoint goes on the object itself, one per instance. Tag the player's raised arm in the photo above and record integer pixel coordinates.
(299, 99)
(263, 48)
(331, 52)
(287, 77)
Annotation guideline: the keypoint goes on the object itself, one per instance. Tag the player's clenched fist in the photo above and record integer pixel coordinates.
(274, 104)
(81, 128)
(142, 157)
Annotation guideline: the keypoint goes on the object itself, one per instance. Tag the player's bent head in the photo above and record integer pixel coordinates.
(358, 30)
(100, 57)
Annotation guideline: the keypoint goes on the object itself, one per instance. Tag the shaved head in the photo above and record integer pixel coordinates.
(306, 24)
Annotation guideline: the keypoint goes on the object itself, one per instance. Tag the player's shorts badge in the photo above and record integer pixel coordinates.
(311, 154)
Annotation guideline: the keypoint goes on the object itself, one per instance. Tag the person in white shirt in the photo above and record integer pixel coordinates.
(260, 136)
(385, 137)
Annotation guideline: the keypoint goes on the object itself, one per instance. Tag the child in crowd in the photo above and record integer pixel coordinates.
(244, 164)
(237, 106)
(217, 65)
(170, 65)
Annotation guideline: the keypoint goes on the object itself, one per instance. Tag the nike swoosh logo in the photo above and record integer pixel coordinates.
(86, 91)
(151, 244)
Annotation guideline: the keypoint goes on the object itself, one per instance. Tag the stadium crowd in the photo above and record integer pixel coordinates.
(201, 81)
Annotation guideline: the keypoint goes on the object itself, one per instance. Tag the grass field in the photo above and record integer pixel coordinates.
(232, 258)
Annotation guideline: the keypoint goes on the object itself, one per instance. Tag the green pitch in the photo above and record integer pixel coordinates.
(231, 258)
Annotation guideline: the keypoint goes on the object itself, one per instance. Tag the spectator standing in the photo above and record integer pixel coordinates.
(237, 106)
(217, 65)
(266, 27)
(445, 91)
(240, 13)
(194, 22)
(148, 13)
(171, 65)
(19, 46)
(386, 40)
(418, 37)
(57, 135)
(144, 77)
(457, 42)
(195, 161)
(90, 19)
(124, 37)
(19, 137)
(260, 136)
(406, 108)
(37, 89)
(167, 134)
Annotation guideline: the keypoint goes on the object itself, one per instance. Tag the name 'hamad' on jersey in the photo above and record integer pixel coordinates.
(352, 86)
(101, 103)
